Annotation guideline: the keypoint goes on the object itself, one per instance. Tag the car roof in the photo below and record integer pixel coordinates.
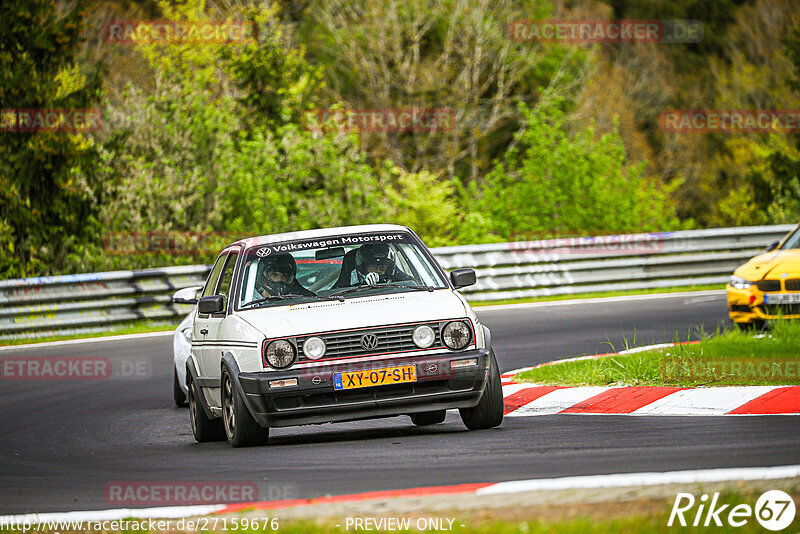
(318, 233)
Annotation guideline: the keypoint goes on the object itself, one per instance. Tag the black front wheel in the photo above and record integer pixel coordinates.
(240, 427)
(489, 411)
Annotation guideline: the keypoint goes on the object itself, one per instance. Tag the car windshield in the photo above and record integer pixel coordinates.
(793, 241)
(337, 267)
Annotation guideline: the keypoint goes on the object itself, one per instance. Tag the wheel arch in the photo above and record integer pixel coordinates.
(191, 376)
(229, 362)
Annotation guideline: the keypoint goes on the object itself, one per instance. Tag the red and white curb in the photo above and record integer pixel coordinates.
(621, 480)
(528, 399)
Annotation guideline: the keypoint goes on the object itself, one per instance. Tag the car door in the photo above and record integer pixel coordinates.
(201, 320)
(215, 344)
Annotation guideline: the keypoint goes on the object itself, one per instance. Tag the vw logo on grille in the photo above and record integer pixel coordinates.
(369, 341)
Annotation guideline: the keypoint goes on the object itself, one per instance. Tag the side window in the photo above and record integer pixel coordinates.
(211, 283)
(227, 275)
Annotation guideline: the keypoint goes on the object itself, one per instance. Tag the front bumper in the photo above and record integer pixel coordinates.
(747, 305)
(314, 399)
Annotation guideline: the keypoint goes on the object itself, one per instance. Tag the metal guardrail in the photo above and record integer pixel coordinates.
(525, 269)
(33, 307)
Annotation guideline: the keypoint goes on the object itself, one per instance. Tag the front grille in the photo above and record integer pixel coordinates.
(782, 309)
(793, 284)
(390, 339)
(740, 308)
(769, 285)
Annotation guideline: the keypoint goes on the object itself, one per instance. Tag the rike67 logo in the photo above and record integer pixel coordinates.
(774, 510)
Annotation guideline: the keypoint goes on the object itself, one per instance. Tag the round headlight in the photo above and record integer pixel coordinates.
(280, 354)
(423, 336)
(314, 348)
(456, 335)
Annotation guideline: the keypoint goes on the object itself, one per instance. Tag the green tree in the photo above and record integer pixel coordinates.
(452, 55)
(276, 84)
(425, 203)
(217, 145)
(48, 183)
(555, 182)
(295, 180)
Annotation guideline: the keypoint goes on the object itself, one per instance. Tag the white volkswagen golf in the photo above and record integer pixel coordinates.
(336, 325)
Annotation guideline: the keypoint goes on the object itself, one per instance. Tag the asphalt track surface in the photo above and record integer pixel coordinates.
(62, 442)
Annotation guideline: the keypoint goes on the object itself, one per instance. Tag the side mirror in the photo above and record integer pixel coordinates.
(187, 295)
(463, 278)
(772, 246)
(211, 304)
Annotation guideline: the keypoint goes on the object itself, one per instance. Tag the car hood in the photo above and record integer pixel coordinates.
(359, 312)
(771, 265)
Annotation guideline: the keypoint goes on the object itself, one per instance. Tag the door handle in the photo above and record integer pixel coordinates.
(204, 331)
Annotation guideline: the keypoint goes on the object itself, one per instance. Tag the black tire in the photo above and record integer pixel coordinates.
(489, 411)
(203, 428)
(177, 390)
(240, 427)
(428, 418)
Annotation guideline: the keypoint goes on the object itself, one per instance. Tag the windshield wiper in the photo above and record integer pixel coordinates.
(416, 288)
(348, 290)
(272, 297)
(290, 296)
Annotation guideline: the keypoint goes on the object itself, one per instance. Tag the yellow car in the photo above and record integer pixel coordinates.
(768, 286)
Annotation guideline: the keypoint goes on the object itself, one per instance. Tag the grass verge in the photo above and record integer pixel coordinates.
(549, 298)
(730, 358)
(135, 327)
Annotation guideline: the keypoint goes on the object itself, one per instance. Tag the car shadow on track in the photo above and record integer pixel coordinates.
(344, 432)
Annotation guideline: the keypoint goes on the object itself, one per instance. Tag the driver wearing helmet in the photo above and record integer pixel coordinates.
(375, 263)
(277, 276)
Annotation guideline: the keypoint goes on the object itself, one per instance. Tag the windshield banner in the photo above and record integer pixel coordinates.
(335, 241)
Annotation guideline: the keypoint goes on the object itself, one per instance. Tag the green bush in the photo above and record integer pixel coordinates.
(554, 181)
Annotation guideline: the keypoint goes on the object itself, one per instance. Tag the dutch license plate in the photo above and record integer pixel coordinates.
(375, 377)
(782, 298)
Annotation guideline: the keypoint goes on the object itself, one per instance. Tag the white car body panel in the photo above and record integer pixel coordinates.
(254, 326)
(181, 348)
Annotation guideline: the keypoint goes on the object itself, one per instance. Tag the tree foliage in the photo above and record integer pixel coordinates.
(558, 182)
(48, 182)
(548, 140)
